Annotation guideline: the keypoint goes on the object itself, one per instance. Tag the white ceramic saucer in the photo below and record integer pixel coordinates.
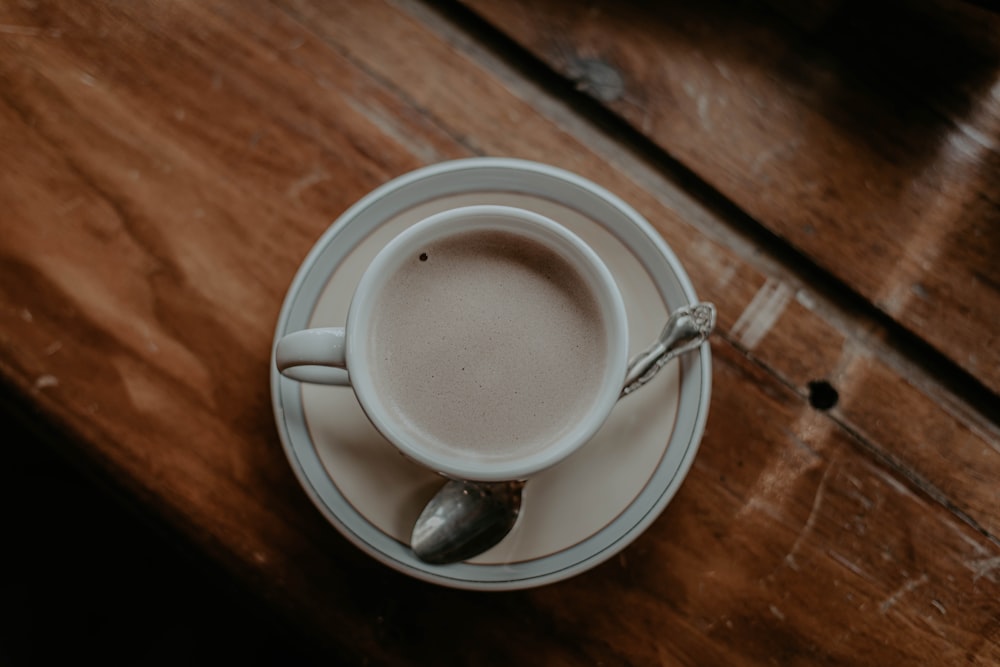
(575, 515)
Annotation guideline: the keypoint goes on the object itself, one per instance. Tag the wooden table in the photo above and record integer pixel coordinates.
(828, 173)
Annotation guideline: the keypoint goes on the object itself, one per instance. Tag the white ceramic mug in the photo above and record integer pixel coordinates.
(308, 355)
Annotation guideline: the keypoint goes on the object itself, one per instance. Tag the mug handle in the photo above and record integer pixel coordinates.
(313, 355)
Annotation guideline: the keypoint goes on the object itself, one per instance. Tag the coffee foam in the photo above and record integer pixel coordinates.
(488, 345)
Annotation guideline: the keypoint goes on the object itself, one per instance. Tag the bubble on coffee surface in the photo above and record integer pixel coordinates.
(488, 351)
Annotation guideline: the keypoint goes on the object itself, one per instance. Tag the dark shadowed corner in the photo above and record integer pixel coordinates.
(84, 577)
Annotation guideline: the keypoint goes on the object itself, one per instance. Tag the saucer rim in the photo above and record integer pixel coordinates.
(464, 576)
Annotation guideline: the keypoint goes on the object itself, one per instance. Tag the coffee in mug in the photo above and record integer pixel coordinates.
(487, 344)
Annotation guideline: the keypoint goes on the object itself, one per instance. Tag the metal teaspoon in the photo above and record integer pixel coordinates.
(465, 518)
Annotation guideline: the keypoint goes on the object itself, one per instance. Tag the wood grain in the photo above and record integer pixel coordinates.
(873, 151)
(166, 167)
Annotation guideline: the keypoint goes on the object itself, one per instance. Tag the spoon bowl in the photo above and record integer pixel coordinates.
(464, 519)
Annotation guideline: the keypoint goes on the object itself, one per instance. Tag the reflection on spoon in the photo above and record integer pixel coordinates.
(465, 518)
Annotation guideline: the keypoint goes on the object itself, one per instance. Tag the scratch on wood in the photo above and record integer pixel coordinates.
(983, 567)
(805, 299)
(725, 276)
(863, 500)
(802, 444)
(960, 531)
(724, 71)
(45, 381)
(25, 30)
(910, 585)
(967, 130)
(296, 189)
(761, 505)
(768, 155)
(811, 520)
(762, 312)
(853, 567)
(891, 481)
(703, 111)
(597, 78)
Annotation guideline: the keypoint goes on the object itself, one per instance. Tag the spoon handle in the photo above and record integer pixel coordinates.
(686, 329)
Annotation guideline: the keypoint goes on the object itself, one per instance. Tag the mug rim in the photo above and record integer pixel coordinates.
(511, 220)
